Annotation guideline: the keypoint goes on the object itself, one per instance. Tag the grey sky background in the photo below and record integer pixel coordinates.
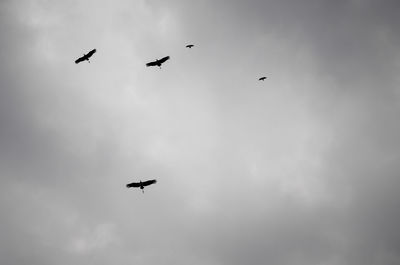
(300, 169)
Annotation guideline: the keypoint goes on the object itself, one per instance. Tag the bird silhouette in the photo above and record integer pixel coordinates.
(189, 46)
(85, 57)
(158, 62)
(262, 78)
(141, 184)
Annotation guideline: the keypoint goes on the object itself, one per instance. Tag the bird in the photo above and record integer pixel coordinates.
(85, 57)
(141, 184)
(189, 46)
(262, 78)
(158, 62)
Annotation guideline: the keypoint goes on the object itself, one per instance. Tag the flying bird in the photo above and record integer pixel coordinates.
(189, 46)
(262, 78)
(86, 57)
(141, 184)
(158, 62)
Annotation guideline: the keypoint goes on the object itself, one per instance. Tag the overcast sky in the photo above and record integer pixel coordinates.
(302, 168)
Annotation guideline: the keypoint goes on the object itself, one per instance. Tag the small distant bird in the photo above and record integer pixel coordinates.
(141, 184)
(158, 62)
(85, 57)
(262, 78)
(189, 46)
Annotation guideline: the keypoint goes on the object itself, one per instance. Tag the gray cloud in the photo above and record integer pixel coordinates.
(299, 169)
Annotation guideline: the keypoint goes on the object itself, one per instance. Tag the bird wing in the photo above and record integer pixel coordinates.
(149, 182)
(133, 185)
(80, 59)
(163, 60)
(91, 53)
(154, 63)
(189, 45)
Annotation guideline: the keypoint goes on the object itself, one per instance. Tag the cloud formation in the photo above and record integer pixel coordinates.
(299, 169)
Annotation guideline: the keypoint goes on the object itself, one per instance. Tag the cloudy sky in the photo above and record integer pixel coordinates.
(302, 168)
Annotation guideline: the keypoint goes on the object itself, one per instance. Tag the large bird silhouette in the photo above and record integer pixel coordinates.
(158, 62)
(141, 184)
(85, 57)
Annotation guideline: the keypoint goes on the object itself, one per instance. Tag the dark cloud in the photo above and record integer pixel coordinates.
(299, 169)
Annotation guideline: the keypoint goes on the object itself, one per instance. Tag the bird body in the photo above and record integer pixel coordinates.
(85, 57)
(158, 62)
(262, 78)
(189, 46)
(141, 184)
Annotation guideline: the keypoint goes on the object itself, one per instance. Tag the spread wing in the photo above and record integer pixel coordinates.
(91, 53)
(80, 59)
(151, 63)
(133, 185)
(149, 182)
(163, 60)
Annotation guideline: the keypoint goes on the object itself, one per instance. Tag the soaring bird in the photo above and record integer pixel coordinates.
(141, 184)
(262, 78)
(85, 57)
(189, 46)
(158, 62)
